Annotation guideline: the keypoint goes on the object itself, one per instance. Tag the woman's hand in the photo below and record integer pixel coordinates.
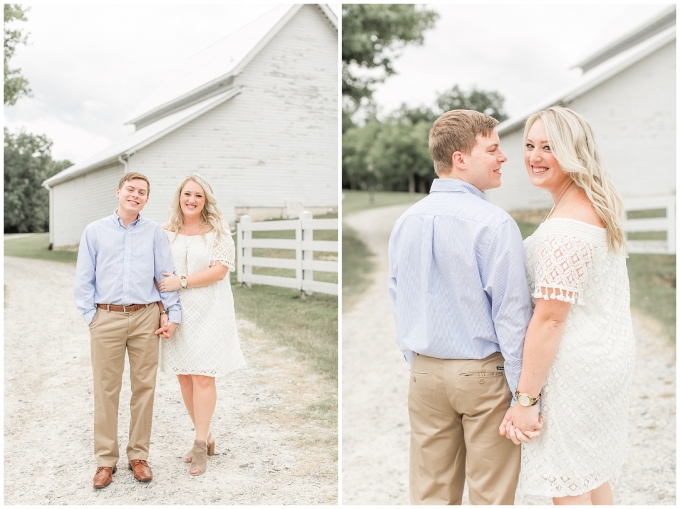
(169, 283)
(521, 424)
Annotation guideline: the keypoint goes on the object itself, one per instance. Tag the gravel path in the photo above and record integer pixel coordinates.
(268, 451)
(375, 426)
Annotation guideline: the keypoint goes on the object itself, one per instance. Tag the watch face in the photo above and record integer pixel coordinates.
(524, 400)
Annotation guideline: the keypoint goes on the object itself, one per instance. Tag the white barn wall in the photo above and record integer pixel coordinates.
(274, 142)
(82, 200)
(633, 118)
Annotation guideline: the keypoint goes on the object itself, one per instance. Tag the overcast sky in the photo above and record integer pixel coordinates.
(91, 64)
(524, 52)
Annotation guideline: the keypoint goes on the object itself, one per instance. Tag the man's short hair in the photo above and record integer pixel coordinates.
(132, 175)
(455, 131)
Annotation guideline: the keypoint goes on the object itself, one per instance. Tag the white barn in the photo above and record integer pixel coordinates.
(256, 114)
(627, 94)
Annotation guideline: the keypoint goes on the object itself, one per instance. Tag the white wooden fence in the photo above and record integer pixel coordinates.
(657, 224)
(303, 245)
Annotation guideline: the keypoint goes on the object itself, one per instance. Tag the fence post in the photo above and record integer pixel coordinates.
(245, 234)
(670, 229)
(307, 255)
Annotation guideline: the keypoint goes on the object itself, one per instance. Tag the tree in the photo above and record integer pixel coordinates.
(27, 164)
(372, 36)
(490, 103)
(16, 86)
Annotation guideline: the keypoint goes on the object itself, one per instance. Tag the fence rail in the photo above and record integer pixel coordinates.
(656, 226)
(304, 246)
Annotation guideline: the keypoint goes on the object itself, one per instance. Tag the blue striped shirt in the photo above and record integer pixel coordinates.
(117, 265)
(457, 279)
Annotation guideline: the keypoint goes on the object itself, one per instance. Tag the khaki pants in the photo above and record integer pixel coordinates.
(455, 408)
(111, 333)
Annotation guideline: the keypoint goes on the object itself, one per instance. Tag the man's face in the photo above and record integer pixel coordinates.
(132, 196)
(483, 163)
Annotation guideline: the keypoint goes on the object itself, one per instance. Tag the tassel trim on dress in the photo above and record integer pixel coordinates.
(563, 295)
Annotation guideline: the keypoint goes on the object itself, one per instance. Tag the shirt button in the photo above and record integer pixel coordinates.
(481, 380)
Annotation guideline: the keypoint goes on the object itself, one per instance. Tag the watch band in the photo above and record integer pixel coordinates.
(183, 281)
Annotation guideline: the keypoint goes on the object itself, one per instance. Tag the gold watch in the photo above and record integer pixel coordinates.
(525, 400)
(183, 281)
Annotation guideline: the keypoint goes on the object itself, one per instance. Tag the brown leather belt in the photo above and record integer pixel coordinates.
(131, 308)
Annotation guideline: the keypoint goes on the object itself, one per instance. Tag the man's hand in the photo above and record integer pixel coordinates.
(166, 331)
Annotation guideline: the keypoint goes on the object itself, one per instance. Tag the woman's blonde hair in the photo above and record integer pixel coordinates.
(210, 215)
(573, 144)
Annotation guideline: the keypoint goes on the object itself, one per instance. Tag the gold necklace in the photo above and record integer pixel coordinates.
(557, 202)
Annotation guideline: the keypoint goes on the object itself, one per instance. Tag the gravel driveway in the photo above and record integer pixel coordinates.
(375, 426)
(268, 452)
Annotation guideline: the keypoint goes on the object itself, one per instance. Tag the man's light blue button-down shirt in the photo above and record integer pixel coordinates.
(457, 279)
(117, 265)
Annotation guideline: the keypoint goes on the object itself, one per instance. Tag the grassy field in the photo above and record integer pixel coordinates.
(35, 246)
(355, 201)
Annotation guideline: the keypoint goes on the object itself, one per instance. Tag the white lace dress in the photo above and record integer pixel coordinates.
(206, 342)
(587, 391)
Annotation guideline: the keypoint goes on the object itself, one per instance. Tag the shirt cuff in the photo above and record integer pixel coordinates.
(89, 316)
(175, 316)
(409, 356)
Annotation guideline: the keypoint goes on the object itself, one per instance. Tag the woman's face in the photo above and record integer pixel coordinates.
(542, 166)
(192, 199)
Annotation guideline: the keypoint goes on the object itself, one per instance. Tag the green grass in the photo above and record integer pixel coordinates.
(355, 201)
(309, 326)
(652, 288)
(357, 265)
(35, 246)
(357, 260)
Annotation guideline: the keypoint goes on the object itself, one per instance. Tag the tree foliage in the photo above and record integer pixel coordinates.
(372, 36)
(397, 148)
(28, 162)
(16, 86)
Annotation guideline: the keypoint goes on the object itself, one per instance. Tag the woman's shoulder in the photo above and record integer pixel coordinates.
(166, 226)
(579, 209)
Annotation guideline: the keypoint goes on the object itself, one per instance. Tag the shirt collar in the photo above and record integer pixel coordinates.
(116, 218)
(448, 185)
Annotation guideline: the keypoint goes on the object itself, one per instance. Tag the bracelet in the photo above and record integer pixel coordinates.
(164, 312)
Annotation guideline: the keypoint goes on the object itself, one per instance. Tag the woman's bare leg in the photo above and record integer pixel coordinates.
(602, 495)
(187, 389)
(584, 499)
(204, 398)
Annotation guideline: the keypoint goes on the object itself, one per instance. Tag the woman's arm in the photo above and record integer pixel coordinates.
(216, 272)
(540, 347)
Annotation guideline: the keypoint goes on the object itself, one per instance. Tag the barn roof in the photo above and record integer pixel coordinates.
(141, 138)
(212, 70)
(622, 55)
(198, 85)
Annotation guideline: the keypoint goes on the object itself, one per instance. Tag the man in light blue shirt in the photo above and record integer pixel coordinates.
(118, 259)
(461, 305)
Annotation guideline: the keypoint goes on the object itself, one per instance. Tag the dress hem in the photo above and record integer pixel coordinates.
(218, 374)
(561, 495)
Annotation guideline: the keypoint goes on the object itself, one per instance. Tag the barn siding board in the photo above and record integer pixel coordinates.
(80, 201)
(633, 118)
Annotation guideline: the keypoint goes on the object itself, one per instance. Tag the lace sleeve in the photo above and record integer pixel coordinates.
(223, 251)
(562, 267)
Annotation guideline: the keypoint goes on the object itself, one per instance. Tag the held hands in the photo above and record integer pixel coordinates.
(169, 284)
(166, 330)
(520, 418)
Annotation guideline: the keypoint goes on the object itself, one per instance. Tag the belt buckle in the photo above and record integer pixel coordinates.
(124, 310)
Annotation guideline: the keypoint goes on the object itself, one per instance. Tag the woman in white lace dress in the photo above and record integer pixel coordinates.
(205, 344)
(579, 350)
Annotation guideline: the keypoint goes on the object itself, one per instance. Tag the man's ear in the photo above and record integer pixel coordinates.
(458, 160)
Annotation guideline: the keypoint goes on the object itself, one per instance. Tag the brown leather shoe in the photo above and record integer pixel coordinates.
(103, 476)
(141, 470)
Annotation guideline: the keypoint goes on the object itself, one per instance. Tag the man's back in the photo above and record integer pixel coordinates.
(456, 271)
